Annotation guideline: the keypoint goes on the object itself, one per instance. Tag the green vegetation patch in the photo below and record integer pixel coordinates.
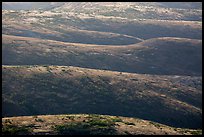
(196, 132)
(95, 125)
(117, 119)
(193, 132)
(15, 130)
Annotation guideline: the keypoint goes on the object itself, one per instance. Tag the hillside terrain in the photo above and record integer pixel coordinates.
(87, 124)
(105, 23)
(113, 68)
(163, 56)
(171, 100)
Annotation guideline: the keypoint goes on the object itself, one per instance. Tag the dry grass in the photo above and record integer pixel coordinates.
(138, 126)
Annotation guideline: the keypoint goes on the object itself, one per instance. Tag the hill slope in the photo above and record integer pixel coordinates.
(106, 23)
(137, 61)
(87, 124)
(163, 56)
(35, 90)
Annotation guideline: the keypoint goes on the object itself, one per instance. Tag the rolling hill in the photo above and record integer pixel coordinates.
(87, 124)
(128, 23)
(162, 56)
(37, 90)
(113, 68)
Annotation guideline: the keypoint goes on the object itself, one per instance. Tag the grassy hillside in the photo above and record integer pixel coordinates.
(30, 24)
(87, 124)
(129, 10)
(163, 56)
(105, 23)
(35, 90)
(131, 68)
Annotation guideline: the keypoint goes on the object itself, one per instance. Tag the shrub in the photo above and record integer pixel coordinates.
(117, 119)
(155, 124)
(72, 129)
(94, 125)
(8, 121)
(70, 117)
(193, 132)
(39, 120)
(129, 123)
(15, 130)
(196, 132)
(99, 122)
